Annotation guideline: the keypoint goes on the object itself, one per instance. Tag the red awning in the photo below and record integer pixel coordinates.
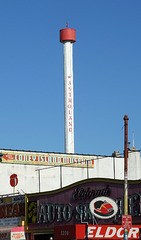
(18, 229)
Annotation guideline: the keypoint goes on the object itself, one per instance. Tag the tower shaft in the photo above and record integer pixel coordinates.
(67, 37)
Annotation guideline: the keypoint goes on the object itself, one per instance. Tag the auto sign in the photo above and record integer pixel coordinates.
(103, 207)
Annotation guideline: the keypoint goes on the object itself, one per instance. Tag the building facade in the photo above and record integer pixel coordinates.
(42, 171)
(58, 189)
(48, 212)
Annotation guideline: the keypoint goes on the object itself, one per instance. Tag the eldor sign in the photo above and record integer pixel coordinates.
(103, 207)
(111, 232)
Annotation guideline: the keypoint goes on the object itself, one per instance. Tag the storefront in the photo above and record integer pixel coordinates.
(95, 232)
(69, 206)
(12, 215)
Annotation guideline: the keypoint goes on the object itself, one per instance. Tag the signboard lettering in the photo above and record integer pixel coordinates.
(10, 221)
(111, 232)
(71, 205)
(81, 193)
(12, 207)
(64, 233)
(134, 206)
(126, 221)
(49, 159)
(77, 231)
(18, 236)
(50, 212)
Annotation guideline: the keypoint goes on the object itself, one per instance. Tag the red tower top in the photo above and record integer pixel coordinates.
(67, 34)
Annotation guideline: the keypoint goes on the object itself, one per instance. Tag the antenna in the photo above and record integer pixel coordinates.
(133, 139)
(133, 148)
(67, 24)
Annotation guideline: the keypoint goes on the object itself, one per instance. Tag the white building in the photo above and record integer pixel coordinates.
(42, 171)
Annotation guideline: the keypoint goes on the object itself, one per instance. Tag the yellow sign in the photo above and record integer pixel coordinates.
(48, 159)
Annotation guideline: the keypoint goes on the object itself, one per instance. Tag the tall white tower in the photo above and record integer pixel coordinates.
(68, 37)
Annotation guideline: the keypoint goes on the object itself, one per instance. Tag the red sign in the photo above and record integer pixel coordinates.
(111, 232)
(18, 233)
(126, 221)
(77, 231)
(13, 180)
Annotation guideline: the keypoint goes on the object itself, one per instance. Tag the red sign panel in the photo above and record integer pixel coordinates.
(13, 180)
(112, 232)
(77, 231)
(95, 232)
(126, 221)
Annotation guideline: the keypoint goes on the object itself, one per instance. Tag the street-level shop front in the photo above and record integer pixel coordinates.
(47, 212)
(12, 216)
(95, 232)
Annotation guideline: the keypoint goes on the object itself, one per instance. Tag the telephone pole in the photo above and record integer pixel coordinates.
(125, 172)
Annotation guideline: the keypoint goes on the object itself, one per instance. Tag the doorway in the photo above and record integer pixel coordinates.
(43, 237)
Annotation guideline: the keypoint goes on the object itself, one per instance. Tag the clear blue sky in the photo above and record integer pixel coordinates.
(107, 74)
